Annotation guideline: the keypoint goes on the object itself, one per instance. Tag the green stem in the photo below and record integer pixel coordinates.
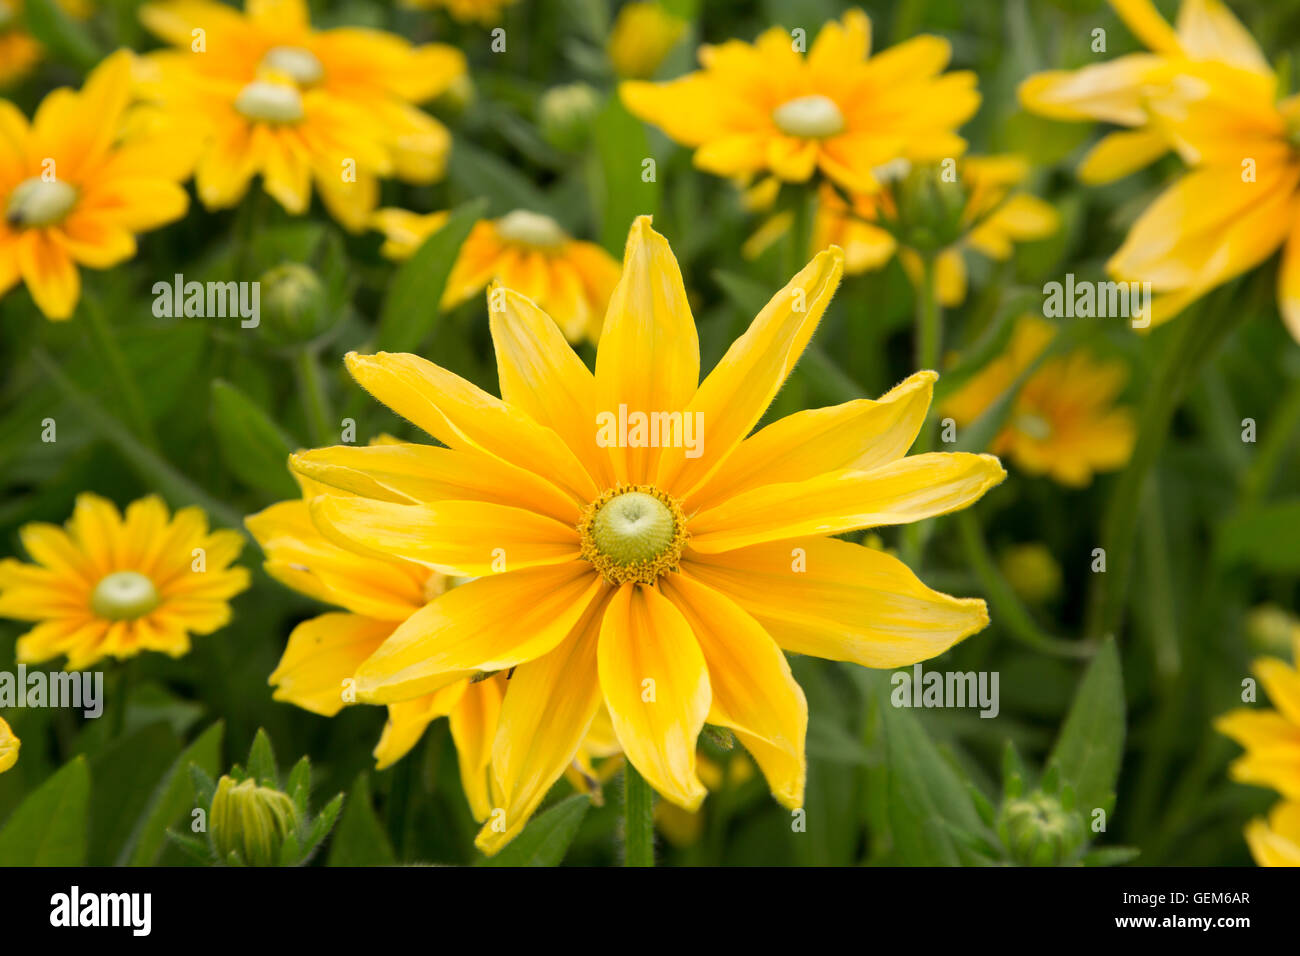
(110, 351)
(638, 819)
(929, 328)
(314, 400)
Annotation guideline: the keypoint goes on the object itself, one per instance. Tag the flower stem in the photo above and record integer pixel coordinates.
(929, 333)
(638, 819)
(107, 346)
(314, 400)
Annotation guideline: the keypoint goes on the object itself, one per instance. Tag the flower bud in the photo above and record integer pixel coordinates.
(1032, 572)
(293, 304)
(1037, 830)
(930, 209)
(250, 821)
(565, 115)
(1273, 630)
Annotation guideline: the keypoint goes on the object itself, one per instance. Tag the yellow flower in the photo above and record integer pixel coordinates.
(107, 587)
(19, 50)
(9, 745)
(660, 578)
(571, 280)
(1062, 423)
(1276, 841)
(1121, 91)
(378, 593)
(642, 35)
(74, 191)
(1271, 737)
(767, 107)
(486, 12)
(267, 94)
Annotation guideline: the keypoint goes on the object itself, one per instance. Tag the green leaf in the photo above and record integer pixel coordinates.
(252, 445)
(360, 839)
(1267, 537)
(621, 194)
(927, 797)
(412, 307)
(546, 839)
(171, 798)
(1091, 743)
(68, 40)
(476, 172)
(126, 771)
(261, 761)
(50, 827)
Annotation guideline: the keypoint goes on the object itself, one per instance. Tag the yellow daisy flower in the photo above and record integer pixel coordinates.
(378, 593)
(75, 192)
(299, 106)
(9, 746)
(1276, 841)
(486, 12)
(19, 51)
(1271, 737)
(1062, 424)
(642, 35)
(570, 279)
(661, 577)
(1121, 91)
(767, 107)
(104, 586)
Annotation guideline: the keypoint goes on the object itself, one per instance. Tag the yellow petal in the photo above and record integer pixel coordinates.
(910, 489)
(1207, 30)
(473, 728)
(408, 719)
(491, 624)
(9, 746)
(656, 686)
(737, 392)
(462, 415)
(754, 692)
(1282, 683)
(1148, 25)
(861, 435)
(840, 601)
(649, 354)
(1288, 283)
(1117, 154)
(468, 538)
(322, 655)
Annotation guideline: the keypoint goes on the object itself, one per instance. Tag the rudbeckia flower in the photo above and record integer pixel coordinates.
(9, 745)
(642, 35)
(1063, 422)
(19, 51)
(75, 190)
(661, 576)
(767, 107)
(1271, 737)
(105, 586)
(1121, 91)
(1276, 841)
(377, 594)
(269, 94)
(486, 12)
(570, 279)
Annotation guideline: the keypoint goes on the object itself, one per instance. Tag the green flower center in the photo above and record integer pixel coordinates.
(268, 102)
(1033, 425)
(633, 533)
(296, 63)
(809, 117)
(124, 596)
(36, 202)
(531, 229)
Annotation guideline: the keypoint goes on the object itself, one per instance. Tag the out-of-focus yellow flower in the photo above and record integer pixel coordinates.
(1276, 841)
(1271, 737)
(1121, 91)
(642, 35)
(1032, 571)
(1062, 423)
(264, 93)
(9, 745)
(486, 12)
(767, 107)
(570, 279)
(75, 188)
(19, 50)
(682, 827)
(1272, 628)
(107, 587)
(594, 585)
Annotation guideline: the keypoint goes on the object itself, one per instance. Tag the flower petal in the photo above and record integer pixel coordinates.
(322, 655)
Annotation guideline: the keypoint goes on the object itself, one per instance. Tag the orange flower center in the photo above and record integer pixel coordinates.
(809, 117)
(531, 229)
(37, 202)
(633, 533)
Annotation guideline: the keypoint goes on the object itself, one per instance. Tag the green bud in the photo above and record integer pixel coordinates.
(1273, 629)
(293, 304)
(930, 209)
(1032, 572)
(565, 115)
(250, 821)
(1038, 831)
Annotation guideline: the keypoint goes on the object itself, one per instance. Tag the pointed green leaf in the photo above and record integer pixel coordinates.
(546, 838)
(1091, 743)
(171, 799)
(360, 839)
(253, 447)
(50, 827)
